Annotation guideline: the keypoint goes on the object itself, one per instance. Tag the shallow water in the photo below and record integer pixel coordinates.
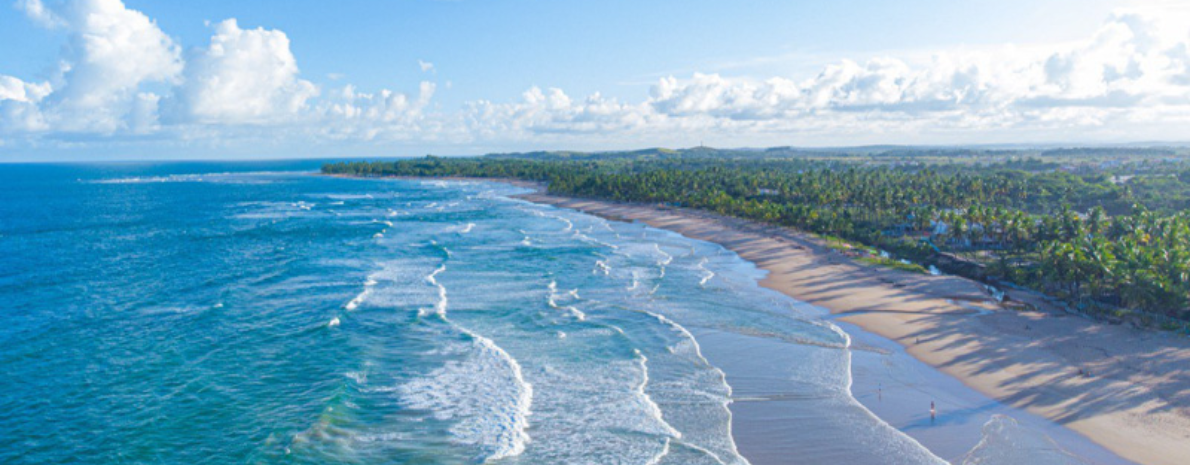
(164, 314)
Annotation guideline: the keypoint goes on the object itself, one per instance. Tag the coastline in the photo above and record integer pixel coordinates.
(1133, 403)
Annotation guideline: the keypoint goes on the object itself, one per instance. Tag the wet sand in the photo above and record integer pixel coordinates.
(1130, 403)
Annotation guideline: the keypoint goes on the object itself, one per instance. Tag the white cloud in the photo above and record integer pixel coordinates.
(553, 114)
(112, 51)
(349, 114)
(17, 90)
(244, 76)
(40, 14)
(242, 79)
(18, 105)
(1128, 80)
(1119, 76)
(1133, 73)
(144, 119)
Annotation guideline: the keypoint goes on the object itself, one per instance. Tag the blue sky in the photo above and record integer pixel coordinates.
(101, 79)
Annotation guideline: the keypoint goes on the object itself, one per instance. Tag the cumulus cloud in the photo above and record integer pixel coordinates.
(122, 75)
(1132, 73)
(1121, 74)
(19, 100)
(17, 90)
(117, 61)
(348, 113)
(111, 52)
(554, 112)
(244, 76)
(39, 13)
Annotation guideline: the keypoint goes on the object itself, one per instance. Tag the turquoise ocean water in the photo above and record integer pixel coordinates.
(255, 313)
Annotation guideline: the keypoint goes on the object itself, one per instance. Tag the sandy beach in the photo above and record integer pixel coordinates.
(1124, 389)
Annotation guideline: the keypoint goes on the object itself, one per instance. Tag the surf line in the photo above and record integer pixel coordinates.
(850, 396)
(509, 441)
(707, 273)
(725, 402)
(356, 301)
(654, 410)
(569, 225)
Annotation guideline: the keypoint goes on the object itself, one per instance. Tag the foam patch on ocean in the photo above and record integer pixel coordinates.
(485, 393)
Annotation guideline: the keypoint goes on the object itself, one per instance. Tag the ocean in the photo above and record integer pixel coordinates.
(258, 313)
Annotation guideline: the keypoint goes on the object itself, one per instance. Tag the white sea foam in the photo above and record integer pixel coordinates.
(688, 338)
(601, 267)
(664, 452)
(235, 177)
(485, 393)
(689, 346)
(917, 448)
(666, 258)
(553, 303)
(341, 197)
(467, 229)
(440, 305)
(586, 238)
(596, 410)
(847, 350)
(569, 225)
(651, 407)
(151, 179)
(360, 377)
(333, 323)
(707, 274)
(359, 298)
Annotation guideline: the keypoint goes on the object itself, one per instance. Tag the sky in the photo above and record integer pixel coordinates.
(142, 79)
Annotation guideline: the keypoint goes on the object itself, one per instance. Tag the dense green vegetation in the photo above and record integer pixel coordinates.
(1109, 237)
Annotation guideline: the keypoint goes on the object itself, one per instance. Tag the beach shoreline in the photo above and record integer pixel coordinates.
(1129, 398)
